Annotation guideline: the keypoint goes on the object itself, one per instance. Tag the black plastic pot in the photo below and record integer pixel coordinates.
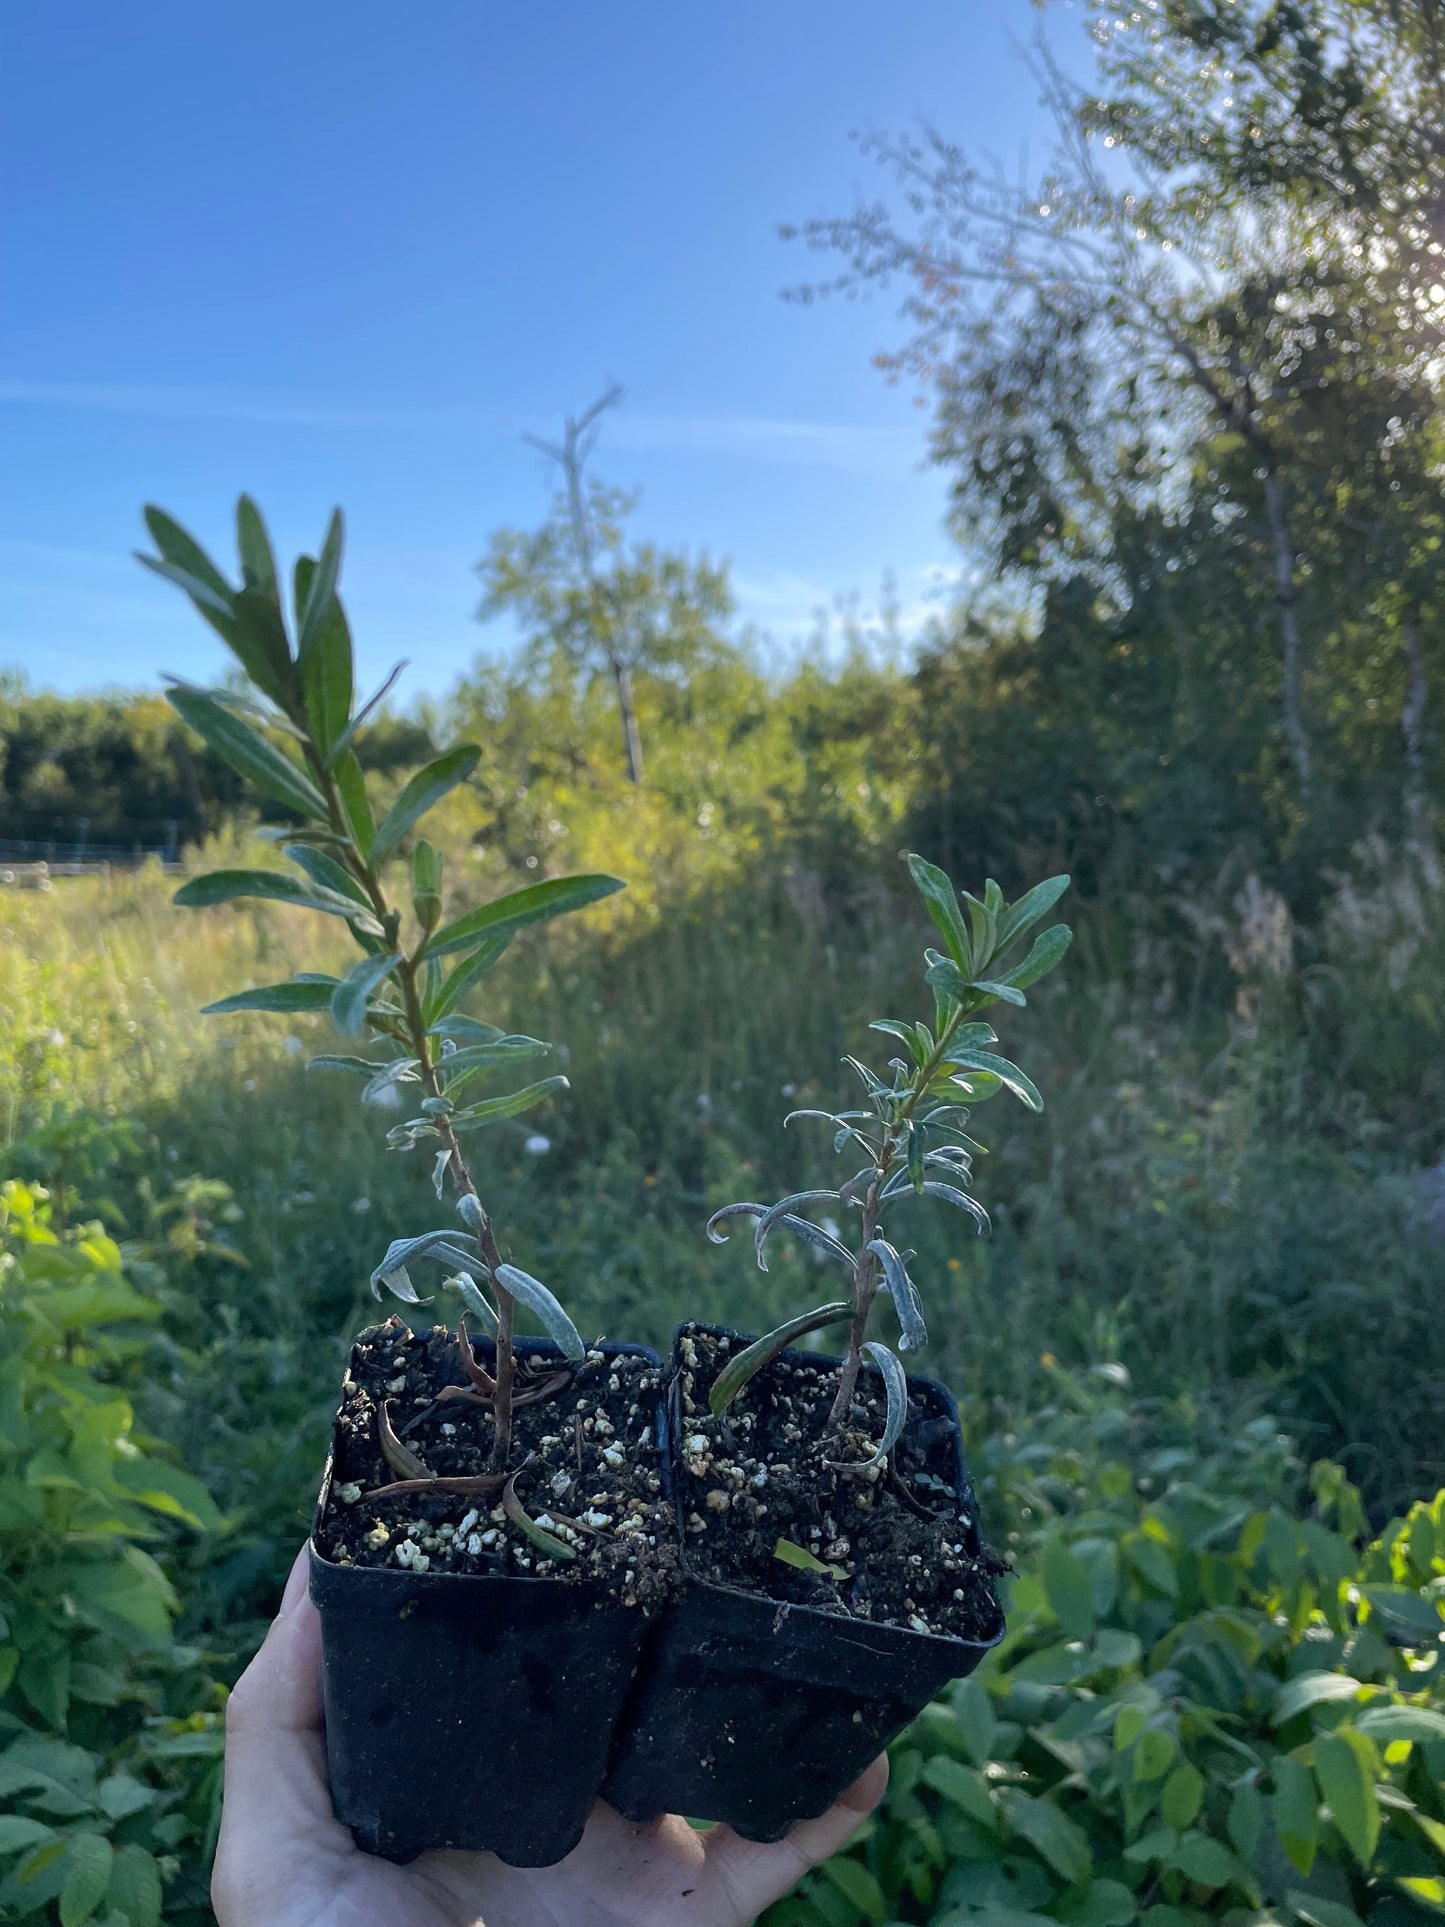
(464, 1710)
(760, 1714)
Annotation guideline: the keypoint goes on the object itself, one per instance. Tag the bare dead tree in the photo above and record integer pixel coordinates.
(570, 455)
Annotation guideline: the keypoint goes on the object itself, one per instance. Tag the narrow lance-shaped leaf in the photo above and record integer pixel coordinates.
(258, 563)
(535, 1296)
(326, 871)
(913, 1332)
(1009, 1075)
(184, 562)
(246, 750)
(811, 1234)
(465, 1286)
(427, 787)
(1030, 909)
(544, 1541)
(788, 1207)
(790, 1553)
(355, 803)
(896, 1390)
(950, 1194)
(223, 886)
(348, 735)
(493, 1108)
(400, 1457)
(1047, 949)
(940, 899)
(469, 971)
(748, 1363)
(294, 996)
(326, 679)
(447, 1247)
(320, 587)
(537, 903)
(471, 1029)
(1005, 993)
(352, 995)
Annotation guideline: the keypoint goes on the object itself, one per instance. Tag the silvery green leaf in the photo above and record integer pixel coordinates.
(353, 993)
(896, 1386)
(844, 1128)
(810, 1233)
(462, 1066)
(469, 1210)
(537, 903)
(852, 1192)
(913, 1333)
(399, 1284)
(1047, 950)
(535, 1296)
(445, 996)
(874, 1086)
(223, 886)
(464, 1283)
(1034, 905)
(344, 740)
(745, 1364)
(326, 871)
(406, 1137)
(362, 1066)
(493, 1108)
(439, 1170)
(419, 793)
(471, 1031)
(297, 995)
(907, 1034)
(776, 1213)
(447, 1247)
(950, 1194)
(1005, 993)
(940, 899)
(983, 926)
(1009, 1075)
(944, 978)
(969, 1037)
(400, 1070)
(437, 1106)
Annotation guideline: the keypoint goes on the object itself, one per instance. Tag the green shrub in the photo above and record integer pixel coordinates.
(1209, 1703)
(109, 1749)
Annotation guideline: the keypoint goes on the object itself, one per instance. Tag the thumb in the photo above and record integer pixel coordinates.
(754, 1875)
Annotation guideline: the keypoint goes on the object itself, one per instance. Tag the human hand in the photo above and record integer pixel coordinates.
(284, 1860)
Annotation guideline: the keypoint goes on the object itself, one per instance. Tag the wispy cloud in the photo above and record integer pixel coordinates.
(852, 448)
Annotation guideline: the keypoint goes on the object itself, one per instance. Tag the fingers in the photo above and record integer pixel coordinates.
(755, 1876)
(275, 1783)
(281, 1688)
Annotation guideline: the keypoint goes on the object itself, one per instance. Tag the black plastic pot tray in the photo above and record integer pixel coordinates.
(760, 1714)
(464, 1710)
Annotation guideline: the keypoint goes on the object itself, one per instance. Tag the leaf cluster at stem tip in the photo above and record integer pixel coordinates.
(909, 1133)
(292, 734)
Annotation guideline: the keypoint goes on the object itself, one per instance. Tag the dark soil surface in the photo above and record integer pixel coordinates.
(761, 1473)
(585, 1456)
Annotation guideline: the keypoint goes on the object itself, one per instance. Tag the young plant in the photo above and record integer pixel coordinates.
(293, 735)
(911, 1134)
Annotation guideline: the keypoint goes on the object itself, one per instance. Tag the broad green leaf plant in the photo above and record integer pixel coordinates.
(911, 1134)
(292, 735)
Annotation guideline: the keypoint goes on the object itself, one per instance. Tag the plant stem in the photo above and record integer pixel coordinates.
(417, 1041)
(866, 1272)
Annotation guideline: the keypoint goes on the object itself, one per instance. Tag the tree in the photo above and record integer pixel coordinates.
(1161, 328)
(591, 607)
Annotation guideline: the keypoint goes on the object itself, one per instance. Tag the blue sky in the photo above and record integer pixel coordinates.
(354, 252)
